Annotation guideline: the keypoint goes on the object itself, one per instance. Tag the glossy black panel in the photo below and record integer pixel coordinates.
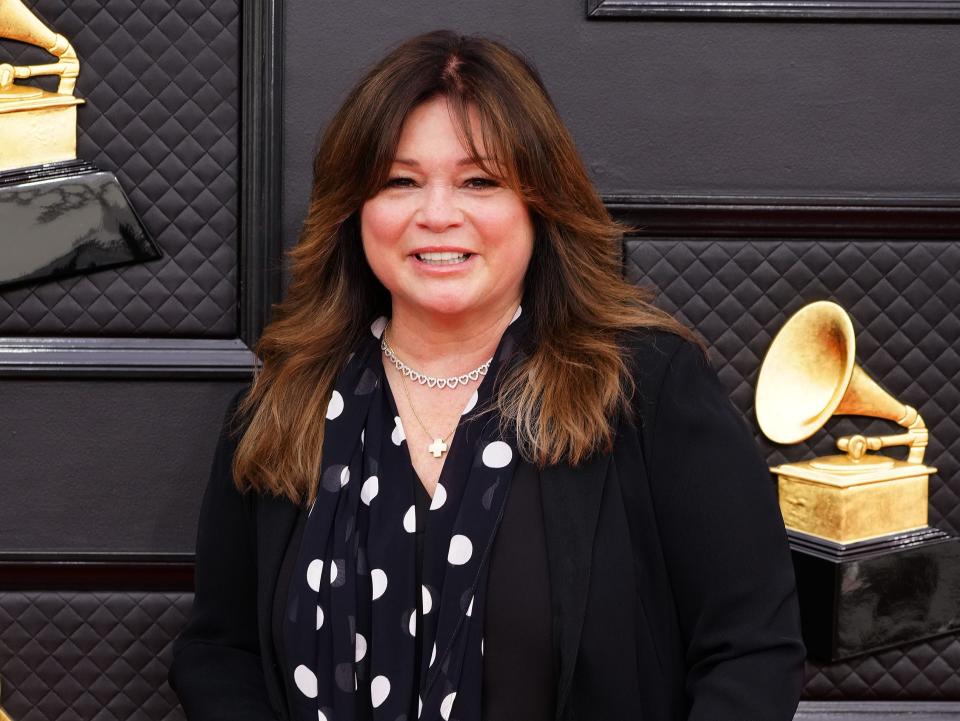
(64, 219)
(880, 593)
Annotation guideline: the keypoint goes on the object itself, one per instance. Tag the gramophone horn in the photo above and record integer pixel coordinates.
(18, 23)
(810, 374)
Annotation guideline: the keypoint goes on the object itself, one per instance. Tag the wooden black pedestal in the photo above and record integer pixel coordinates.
(874, 594)
(66, 218)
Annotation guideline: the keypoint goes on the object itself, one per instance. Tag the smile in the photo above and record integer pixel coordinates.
(442, 258)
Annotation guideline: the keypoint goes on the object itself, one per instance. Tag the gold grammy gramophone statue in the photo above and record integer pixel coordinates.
(61, 216)
(36, 126)
(809, 375)
(870, 572)
(4, 716)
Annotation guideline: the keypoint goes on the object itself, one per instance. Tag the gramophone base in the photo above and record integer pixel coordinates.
(850, 507)
(66, 218)
(37, 131)
(867, 596)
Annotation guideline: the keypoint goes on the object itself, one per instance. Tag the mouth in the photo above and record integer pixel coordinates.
(445, 257)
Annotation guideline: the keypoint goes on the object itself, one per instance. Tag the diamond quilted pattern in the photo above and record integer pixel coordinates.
(90, 656)
(160, 80)
(927, 671)
(904, 298)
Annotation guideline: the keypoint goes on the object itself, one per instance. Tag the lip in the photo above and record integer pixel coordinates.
(442, 249)
(441, 270)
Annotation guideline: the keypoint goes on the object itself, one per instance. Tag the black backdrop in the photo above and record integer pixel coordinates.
(768, 164)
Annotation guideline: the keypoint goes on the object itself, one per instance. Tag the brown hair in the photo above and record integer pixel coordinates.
(562, 399)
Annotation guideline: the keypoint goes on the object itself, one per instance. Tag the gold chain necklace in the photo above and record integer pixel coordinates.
(439, 445)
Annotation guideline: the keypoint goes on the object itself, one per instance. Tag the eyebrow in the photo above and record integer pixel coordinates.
(414, 164)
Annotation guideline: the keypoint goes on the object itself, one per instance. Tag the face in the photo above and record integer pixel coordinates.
(446, 239)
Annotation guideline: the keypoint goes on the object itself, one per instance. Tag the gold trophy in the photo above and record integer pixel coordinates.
(36, 126)
(60, 215)
(809, 375)
(870, 572)
(4, 716)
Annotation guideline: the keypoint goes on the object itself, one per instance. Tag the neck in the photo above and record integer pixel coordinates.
(444, 346)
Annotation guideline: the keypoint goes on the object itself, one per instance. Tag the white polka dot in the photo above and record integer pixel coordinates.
(335, 406)
(410, 520)
(306, 681)
(321, 716)
(470, 607)
(439, 497)
(470, 403)
(344, 476)
(412, 626)
(377, 326)
(497, 455)
(378, 580)
(333, 571)
(446, 706)
(362, 441)
(460, 550)
(481, 646)
(379, 690)
(517, 314)
(398, 436)
(319, 617)
(419, 706)
(361, 647)
(433, 654)
(370, 489)
(427, 599)
(314, 574)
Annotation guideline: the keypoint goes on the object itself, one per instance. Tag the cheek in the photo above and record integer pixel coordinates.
(376, 232)
(513, 229)
(381, 223)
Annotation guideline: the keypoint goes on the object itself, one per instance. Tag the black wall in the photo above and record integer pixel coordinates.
(754, 108)
(667, 113)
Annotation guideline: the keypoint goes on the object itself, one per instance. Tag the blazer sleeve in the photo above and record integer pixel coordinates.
(725, 550)
(217, 670)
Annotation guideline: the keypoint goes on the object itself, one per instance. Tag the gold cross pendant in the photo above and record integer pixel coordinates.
(437, 448)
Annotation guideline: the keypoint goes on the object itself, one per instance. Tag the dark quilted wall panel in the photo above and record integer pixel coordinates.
(91, 656)
(924, 671)
(904, 298)
(160, 80)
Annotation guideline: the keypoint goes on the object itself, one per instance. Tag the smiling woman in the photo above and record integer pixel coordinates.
(479, 476)
(448, 240)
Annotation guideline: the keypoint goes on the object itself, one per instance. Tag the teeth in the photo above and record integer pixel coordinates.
(442, 258)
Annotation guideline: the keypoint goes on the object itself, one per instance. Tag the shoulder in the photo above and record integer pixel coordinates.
(234, 423)
(667, 371)
(232, 429)
(652, 354)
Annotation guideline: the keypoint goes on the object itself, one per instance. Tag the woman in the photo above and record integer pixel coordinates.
(479, 476)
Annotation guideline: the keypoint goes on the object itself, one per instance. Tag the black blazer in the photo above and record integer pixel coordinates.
(671, 582)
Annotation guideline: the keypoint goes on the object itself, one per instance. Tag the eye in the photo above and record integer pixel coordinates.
(481, 183)
(400, 181)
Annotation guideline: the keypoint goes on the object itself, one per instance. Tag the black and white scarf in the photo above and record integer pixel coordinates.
(352, 609)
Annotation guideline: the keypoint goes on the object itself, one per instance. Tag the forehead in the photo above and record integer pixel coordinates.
(432, 129)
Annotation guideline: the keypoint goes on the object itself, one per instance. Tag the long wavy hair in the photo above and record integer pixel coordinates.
(563, 398)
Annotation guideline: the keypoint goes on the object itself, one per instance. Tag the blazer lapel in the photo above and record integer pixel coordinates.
(571, 508)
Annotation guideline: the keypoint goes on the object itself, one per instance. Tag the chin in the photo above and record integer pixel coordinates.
(448, 305)
(452, 308)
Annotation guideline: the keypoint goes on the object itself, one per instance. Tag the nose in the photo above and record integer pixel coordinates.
(439, 209)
